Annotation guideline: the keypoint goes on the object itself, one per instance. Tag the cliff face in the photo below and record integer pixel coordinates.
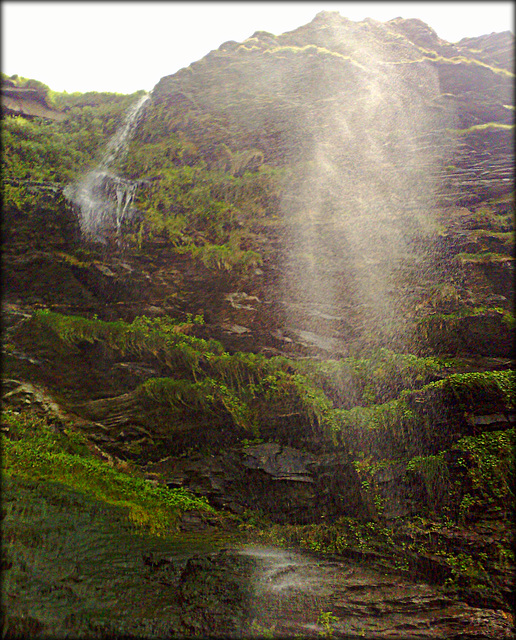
(306, 311)
(382, 129)
(26, 102)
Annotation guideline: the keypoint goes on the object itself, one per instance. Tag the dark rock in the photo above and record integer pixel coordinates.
(281, 463)
(215, 592)
(286, 484)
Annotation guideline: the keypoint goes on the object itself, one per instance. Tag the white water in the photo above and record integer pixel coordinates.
(360, 201)
(102, 197)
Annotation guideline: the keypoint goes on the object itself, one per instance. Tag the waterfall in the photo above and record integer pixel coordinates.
(359, 204)
(102, 197)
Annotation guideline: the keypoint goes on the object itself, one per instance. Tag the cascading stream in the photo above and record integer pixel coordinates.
(102, 197)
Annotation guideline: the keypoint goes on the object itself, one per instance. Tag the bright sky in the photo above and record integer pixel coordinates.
(127, 46)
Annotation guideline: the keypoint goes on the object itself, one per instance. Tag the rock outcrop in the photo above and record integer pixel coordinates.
(29, 103)
(383, 126)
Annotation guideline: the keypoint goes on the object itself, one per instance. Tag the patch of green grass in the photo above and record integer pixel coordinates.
(251, 388)
(483, 127)
(370, 378)
(492, 467)
(34, 451)
(470, 388)
(345, 534)
(484, 464)
(483, 257)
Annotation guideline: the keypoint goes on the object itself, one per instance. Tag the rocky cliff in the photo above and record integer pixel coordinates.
(304, 315)
(27, 102)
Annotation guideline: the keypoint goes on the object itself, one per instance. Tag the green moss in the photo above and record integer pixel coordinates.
(503, 237)
(483, 127)
(468, 312)
(253, 390)
(205, 208)
(249, 388)
(471, 388)
(435, 475)
(313, 50)
(206, 396)
(483, 257)
(370, 378)
(164, 338)
(479, 482)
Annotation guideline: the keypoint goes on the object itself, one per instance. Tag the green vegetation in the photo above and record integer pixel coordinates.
(485, 126)
(312, 50)
(491, 472)
(44, 150)
(451, 333)
(207, 205)
(463, 484)
(43, 92)
(344, 535)
(484, 256)
(504, 238)
(209, 193)
(252, 389)
(471, 388)
(370, 377)
(326, 619)
(32, 449)
(496, 215)
(480, 478)
(412, 421)
(474, 62)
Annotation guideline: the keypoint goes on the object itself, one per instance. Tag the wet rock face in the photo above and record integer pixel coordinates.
(269, 592)
(215, 595)
(286, 484)
(319, 100)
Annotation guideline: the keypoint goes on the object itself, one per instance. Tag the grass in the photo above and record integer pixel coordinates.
(474, 387)
(483, 127)
(483, 257)
(33, 450)
(249, 388)
(334, 398)
(402, 426)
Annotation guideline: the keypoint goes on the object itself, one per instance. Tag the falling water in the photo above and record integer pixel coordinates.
(361, 196)
(102, 197)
